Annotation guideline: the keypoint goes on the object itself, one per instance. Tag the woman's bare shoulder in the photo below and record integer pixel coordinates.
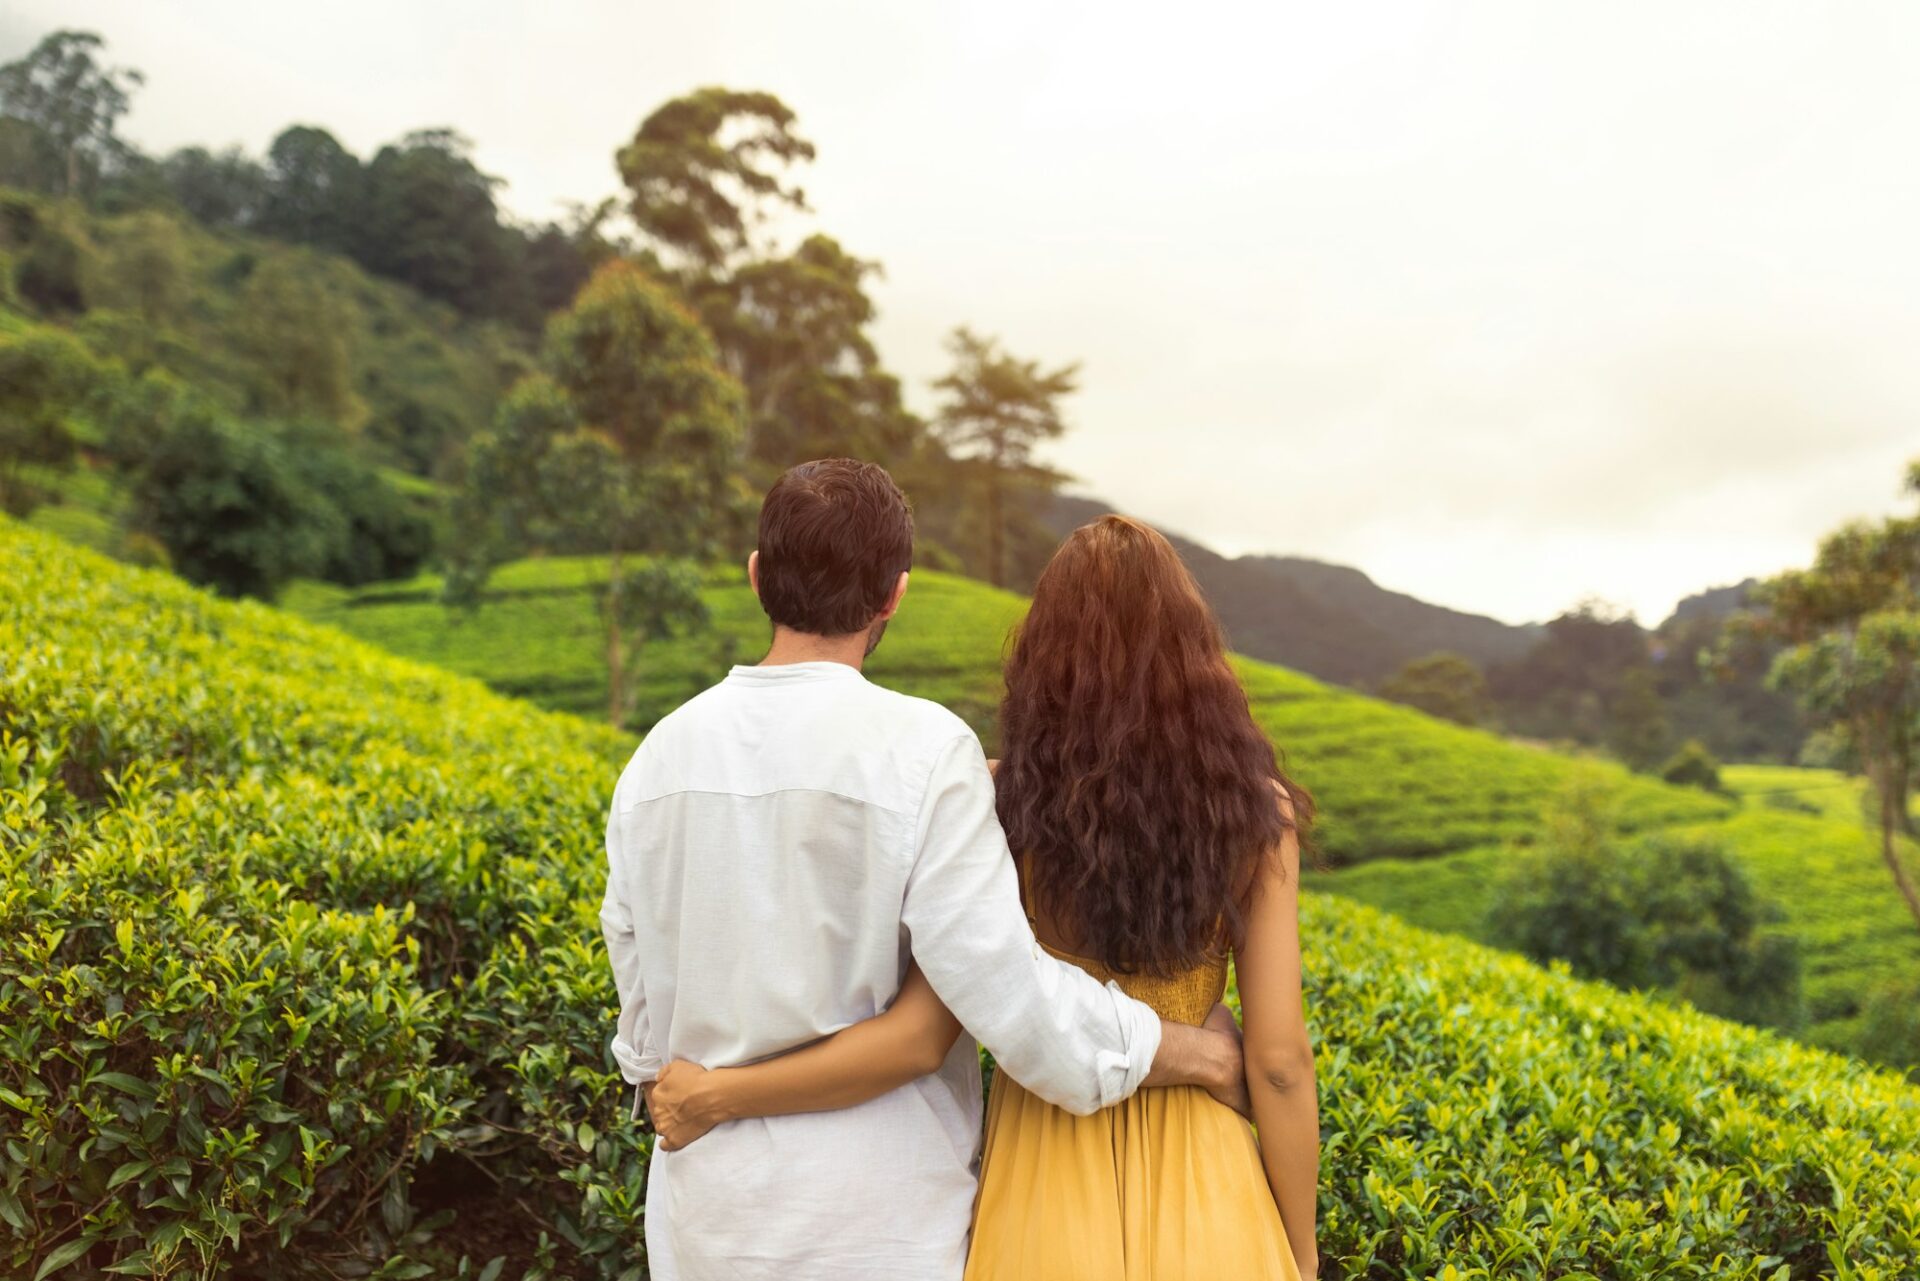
(1282, 797)
(993, 765)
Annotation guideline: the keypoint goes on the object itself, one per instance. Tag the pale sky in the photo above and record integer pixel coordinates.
(1506, 303)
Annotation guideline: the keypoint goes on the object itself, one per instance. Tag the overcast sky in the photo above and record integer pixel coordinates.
(1506, 303)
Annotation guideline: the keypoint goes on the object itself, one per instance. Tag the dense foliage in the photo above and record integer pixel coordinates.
(294, 930)
(623, 442)
(292, 933)
(1666, 912)
(263, 330)
(1419, 816)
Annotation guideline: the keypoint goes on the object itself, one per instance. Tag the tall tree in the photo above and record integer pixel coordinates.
(430, 221)
(794, 330)
(704, 172)
(705, 175)
(997, 408)
(62, 91)
(1852, 621)
(219, 189)
(315, 190)
(625, 442)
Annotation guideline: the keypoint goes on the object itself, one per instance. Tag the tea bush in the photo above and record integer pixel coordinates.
(292, 932)
(1418, 815)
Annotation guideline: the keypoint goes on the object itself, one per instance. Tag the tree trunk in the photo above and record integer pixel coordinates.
(616, 673)
(996, 571)
(1901, 785)
(1890, 851)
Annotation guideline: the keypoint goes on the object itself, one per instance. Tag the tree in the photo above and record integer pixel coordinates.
(1564, 686)
(429, 220)
(62, 92)
(997, 409)
(229, 506)
(794, 330)
(315, 190)
(376, 532)
(45, 375)
(225, 189)
(1637, 728)
(1444, 685)
(295, 328)
(703, 173)
(145, 271)
(1852, 621)
(624, 441)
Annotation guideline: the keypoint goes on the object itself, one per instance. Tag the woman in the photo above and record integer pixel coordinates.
(1154, 835)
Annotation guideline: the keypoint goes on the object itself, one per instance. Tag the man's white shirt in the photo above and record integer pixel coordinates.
(778, 849)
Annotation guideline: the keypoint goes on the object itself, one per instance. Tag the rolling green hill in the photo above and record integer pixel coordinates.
(261, 327)
(293, 933)
(1418, 813)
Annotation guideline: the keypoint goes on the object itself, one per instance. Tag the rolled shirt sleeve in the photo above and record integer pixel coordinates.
(1060, 1032)
(633, 1047)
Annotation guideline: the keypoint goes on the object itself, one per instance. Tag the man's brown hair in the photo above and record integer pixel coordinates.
(835, 536)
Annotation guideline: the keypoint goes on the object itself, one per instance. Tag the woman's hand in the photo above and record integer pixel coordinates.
(683, 1104)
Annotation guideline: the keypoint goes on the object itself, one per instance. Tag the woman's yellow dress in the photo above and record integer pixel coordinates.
(1164, 1186)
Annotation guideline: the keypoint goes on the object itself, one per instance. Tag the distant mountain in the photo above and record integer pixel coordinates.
(1715, 602)
(1329, 620)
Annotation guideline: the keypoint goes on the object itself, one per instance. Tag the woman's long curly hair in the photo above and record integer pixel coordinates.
(1133, 782)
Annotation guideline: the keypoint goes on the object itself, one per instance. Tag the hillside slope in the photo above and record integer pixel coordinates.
(283, 917)
(261, 327)
(1420, 813)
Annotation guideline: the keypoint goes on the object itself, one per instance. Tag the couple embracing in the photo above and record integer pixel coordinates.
(821, 894)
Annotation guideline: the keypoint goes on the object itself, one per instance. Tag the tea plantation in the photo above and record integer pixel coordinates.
(1418, 814)
(300, 975)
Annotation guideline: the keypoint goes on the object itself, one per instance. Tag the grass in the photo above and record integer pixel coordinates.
(289, 924)
(1418, 815)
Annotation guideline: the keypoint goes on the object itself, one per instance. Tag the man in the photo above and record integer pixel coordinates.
(779, 849)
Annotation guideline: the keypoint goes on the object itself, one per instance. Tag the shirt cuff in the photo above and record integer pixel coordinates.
(1120, 1074)
(636, 1067)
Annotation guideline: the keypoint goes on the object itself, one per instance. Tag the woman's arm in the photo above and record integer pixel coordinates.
(910, 1039)
(1279, 1056)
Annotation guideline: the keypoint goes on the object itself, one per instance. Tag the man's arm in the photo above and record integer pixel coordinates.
(633, 1046)
(1050, 1025)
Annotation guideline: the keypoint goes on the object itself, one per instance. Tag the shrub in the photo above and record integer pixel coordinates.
(377, 532)
(1693, 766)
(1892, 1027)
(50, 269)
(229, 507)
(363, 892)
(245, 508)
(45, 375)
(1669, 912)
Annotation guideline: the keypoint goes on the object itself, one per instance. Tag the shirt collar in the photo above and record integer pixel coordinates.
(793, 673)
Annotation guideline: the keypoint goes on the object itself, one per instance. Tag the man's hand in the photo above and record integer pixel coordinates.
(1208, 1056)
(1231, 1088)
(682, 1104)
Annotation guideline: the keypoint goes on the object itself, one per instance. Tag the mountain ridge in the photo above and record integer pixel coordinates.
(1332, 621)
